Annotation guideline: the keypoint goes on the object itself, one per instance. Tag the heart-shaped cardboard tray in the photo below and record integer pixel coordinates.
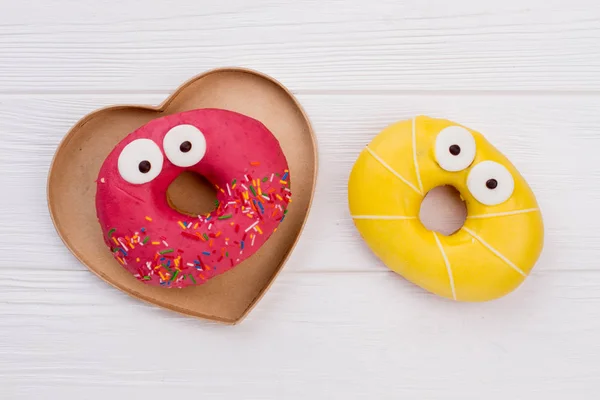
(229, 297)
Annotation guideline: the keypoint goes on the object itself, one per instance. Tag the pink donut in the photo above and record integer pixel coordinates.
(161, 246)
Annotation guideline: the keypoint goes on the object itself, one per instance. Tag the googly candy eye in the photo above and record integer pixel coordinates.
(454, 148)
(140, 161)
(490, 183)
(184, 145)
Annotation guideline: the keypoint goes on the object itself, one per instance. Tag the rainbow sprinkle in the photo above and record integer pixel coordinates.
(222, 237)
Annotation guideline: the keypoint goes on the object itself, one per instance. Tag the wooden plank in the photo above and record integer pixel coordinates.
(64, 334)
(98, 46)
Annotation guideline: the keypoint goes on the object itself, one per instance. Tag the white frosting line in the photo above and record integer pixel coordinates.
(493, 250)
(392, 171)
(448, 267)
(501, 214)
(382, 217)
(414, 146)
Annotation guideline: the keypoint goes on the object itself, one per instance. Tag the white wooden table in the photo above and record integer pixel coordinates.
(336, 323)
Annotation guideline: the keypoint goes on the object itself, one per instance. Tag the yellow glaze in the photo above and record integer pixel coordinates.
(490, 256)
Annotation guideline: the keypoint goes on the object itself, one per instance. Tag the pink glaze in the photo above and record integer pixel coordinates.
(237, 148)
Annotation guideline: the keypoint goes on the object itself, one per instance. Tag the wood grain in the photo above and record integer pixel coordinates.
(337, 323)
(91, 45)
(318, 335)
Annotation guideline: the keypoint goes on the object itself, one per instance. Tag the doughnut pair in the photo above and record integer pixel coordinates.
(487, 258)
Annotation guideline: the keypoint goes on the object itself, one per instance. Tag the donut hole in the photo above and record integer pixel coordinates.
(192, 194)
(443, 210)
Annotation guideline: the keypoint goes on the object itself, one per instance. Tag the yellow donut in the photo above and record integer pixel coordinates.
(502, 238)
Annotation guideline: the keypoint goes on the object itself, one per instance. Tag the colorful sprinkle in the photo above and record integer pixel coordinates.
(148, 218)
(111, 232)
(251, 226)
(189, 235)
(167, 251)
(175, 275)
(225, 216)
(181, 224)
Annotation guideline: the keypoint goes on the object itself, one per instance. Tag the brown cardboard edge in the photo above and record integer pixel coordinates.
(161, 108)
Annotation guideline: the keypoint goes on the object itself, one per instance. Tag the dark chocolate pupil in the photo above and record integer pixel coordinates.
(491, 184)
(144, 166)
(455, 149)
(185, 147)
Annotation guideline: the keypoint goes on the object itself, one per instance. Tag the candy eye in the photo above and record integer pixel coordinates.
(184, 145)
(454, 148)
(490, 183)
(140, 161)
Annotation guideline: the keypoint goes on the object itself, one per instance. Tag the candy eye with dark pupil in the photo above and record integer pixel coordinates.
(454, 149)
(144, 166)
(185, 146)
(491, 184)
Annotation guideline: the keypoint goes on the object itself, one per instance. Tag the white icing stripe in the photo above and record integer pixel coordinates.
(392, 217)
(493, 250)
(448, 267)
(392, 171)
(501, 214)
(414, 146)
